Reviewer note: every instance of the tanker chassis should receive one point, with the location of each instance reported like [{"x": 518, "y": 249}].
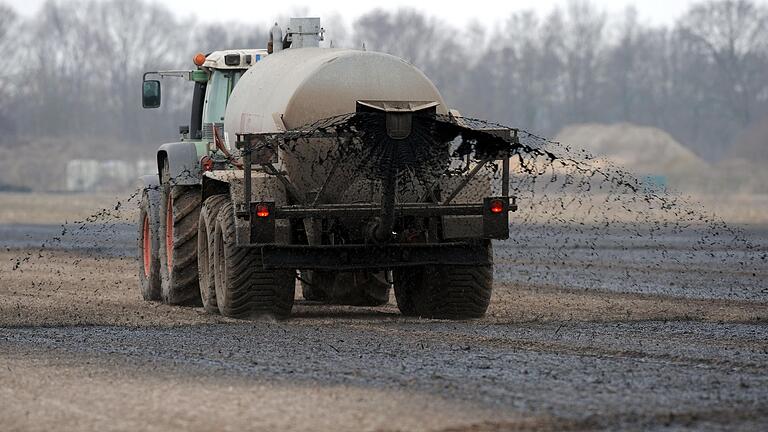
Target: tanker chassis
[{"x": 235, "y": 217}]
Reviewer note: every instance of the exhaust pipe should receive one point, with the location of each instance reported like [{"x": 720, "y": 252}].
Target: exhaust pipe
[{"x": 275, "y": 43}]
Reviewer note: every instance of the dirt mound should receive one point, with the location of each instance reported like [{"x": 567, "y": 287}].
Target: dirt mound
[
  {"x": 746, "y": 176},
  {"x": 752, "y": 143},
  {"x": 643, "y": 150}
]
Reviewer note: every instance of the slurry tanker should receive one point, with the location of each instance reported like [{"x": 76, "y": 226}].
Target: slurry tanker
[{"x": 341, "y": 171}]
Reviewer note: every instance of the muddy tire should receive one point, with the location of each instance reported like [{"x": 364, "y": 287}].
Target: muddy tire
[
  {"x": 243, "y": 288},
  {"x": 407, "y": 284},
  {"x": 444, "y": 292},
  {"x": 205, "y": 259},
  {"x": 148, "y": 225},
  {"x": 178, "y": 245}
]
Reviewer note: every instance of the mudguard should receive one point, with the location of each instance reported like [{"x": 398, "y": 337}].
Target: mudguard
[{"x": 183, "y": 163}]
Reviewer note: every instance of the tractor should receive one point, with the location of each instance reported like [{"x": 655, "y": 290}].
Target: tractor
[{"x": 320, "y": 167}]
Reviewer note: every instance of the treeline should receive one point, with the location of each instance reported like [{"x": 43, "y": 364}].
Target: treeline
[{"x": 74, "y": 69}]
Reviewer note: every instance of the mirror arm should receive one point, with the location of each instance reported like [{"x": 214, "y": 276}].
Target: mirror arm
[{"x": 172, "y": 73}]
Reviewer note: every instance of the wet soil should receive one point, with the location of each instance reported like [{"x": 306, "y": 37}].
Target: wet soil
[{"x": 79, "y": 350}]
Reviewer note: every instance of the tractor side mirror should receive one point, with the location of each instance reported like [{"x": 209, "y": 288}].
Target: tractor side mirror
[{"x": 150, "y": 94}]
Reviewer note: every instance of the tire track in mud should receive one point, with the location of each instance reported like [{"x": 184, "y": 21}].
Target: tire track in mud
[
  {"x": 526, "y": 366},
  {"x": 695, "y": 419},
  {"x": 463, "y": 362},
  {"x": 574, "y": 348}
]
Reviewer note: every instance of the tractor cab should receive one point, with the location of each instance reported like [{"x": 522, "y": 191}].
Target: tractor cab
[{"x": 216, "y": 75}]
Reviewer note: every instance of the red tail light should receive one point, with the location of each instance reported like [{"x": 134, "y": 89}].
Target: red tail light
[
  {"x": 496, "y": 206},
  {"x": 262, "y": 211}
]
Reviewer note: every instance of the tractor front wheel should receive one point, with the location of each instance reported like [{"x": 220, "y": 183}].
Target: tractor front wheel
[{"x": 148, "y": 224}]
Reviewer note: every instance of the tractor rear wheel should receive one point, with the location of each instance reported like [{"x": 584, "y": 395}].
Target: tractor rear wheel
[
  {"x": 178, "y": 245},
  {"x": 205, "y": 258},
  {"x": 444, "y": 292},
  {"x": 243, "y": 288},
  {"x": 148, "y": 241}
]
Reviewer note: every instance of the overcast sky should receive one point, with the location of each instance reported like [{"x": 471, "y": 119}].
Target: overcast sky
[{"x": 457, "y": 13}]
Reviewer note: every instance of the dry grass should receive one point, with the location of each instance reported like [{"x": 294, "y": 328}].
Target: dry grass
[{"x": 56, "y": 208}]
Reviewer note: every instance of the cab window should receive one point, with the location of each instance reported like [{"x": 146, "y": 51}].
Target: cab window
[{"x": 219, "y": 88}]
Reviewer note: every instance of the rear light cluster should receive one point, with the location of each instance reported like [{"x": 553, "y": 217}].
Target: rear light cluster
[
  {"x": 496, "y": 217},
  {"x": 496, "y": 206},
  {"x": 262, "y": 222},
  {"x": 262, "y": 210}
]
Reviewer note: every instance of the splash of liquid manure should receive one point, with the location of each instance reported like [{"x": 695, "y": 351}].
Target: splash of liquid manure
[
  {"x": 576, "y": 210},
  {"x": 583, "y": 223}
]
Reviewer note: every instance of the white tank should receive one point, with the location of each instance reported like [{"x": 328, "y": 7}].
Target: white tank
[
  {"x": 296, "y": 87},
  {"x": 308, "y": 84}
]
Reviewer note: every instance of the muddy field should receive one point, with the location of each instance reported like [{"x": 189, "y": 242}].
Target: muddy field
[{"x": 569, "y": 347}]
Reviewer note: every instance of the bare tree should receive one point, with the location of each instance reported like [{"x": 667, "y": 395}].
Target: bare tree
[
  {"x": 580, "y": 47},
  {"x": 521, "y": 69},
  {"x": 733, "y": 36},
  {"x": 75, "y": 69},
  {"x": 8, "y": 21},
  {"x": 217, "y": 36},
  {"x": 57, "y": 60},
  {"x": 623, "y": 62},
  {"x": 84, "y": 64},
  {"x": 337, "y": 34},
  {"x": 7, "y": 18},
  {"x": 424, "y": 41}
]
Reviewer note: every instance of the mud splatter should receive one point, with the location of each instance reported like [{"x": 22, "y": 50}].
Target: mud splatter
[{"x": 574, "y": 207}]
